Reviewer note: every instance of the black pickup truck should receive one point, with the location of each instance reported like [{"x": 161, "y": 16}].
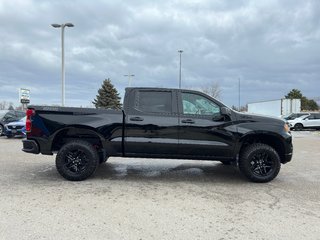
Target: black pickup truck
[{"x": 159, "y": 123}]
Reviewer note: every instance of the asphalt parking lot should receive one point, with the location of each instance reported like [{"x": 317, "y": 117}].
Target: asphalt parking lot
[{"x": 159, "y": 199}]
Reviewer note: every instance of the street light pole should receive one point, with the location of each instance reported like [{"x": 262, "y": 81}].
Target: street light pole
[
  {"x": 129, "y": 76},
  {"x": 62, "y": 26},
  {"x": 239, "y": 94},
  {"x": 180, "y": 52}
]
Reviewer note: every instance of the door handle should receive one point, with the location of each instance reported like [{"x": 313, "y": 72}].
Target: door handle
[
  {"x": 190, "y": 121},
  {"x": 137, "y": 119}
]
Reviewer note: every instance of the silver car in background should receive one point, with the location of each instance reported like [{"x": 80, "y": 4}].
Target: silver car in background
[{"x": 311, "y": 120}]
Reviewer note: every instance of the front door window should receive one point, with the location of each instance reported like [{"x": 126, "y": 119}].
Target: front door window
[{"x": 198, "y": 105}]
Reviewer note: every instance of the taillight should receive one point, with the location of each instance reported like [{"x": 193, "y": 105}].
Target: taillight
[{"x": 30, "y": 112}]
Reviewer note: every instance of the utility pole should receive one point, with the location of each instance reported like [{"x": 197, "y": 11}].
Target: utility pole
[
  {"x": 129, "y": 77},
  {"x": 180, "y": 52},
  {"x": 239, "y": 94}
]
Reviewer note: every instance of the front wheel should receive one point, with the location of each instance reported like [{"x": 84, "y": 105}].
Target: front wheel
[
  {"x": 260, "y": 163},
  {"x": 77, "y": 160}
]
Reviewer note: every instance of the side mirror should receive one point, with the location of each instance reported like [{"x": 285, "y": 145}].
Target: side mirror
[{"x": 225, "y": 111}]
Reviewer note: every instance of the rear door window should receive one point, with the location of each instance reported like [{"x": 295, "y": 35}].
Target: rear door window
[{"x": 154, "y": 102}]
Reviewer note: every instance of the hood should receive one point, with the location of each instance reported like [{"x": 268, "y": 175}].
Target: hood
[
  {"x": 19, "y": 123},
  {"x": 260, "y": 118}
]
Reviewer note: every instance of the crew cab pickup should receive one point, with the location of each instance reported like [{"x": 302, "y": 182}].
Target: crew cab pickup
[{"x": 159, "y": 123}]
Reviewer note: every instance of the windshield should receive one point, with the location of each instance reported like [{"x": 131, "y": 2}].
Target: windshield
[
  {"x": 2, "y": 113},
  {"x": 287, "y": 116}
]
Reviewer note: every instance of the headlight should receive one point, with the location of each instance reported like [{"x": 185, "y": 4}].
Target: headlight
[{"x": 286, "y": 128}]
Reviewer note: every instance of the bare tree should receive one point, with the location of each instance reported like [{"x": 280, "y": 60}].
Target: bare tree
[
  {"x": 242, "y": 108},
  {"x": 5, "y": 105},
  {"x": 213, "y": 90}
]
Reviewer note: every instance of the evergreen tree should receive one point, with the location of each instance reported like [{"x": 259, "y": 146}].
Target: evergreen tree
[
  {"x": 306, "y": 104},
  {"x": 108, "y": 96},
  {"x": 294, "y": 94}
]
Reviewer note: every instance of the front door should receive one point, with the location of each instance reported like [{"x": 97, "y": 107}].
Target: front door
[{"x": 203, "y": 131}]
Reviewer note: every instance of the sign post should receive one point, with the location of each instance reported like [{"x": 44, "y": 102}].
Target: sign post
[{"x": 24, "y": 96}]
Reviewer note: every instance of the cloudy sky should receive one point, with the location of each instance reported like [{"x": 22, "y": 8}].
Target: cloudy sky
[{"x": 272, "y": 46}]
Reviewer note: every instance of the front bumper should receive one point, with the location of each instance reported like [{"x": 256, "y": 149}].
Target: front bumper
[
  {"x": 287, "y": 158},
  {"x": 30, "y": 146},
  {"x": 14, "y": 133},
  {"x": 288, "y": 150}
]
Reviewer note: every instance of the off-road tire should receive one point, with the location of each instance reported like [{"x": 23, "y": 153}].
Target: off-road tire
[
  {"x": 259, "y": 163},
  {"x": 77, "y": 160}
]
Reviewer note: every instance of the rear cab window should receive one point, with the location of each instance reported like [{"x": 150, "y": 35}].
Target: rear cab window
[{"x": 154, "y": 102}]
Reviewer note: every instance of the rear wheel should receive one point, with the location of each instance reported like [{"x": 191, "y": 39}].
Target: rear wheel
[
  {"x": 77, "y": 160},
  {"x": 298, "y": 127},
  {"x": 260, "y": 163}
]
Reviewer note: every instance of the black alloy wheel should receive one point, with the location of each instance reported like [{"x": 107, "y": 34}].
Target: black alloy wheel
[
  {"x": 77, "y": 160},
  {"x": 260, "y": 163}
]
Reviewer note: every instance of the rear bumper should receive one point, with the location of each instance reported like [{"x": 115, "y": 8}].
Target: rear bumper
[{"x": 30, "y": 146}]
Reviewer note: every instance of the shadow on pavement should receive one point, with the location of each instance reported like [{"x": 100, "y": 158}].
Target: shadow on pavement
[{"x": 169, "y": 171}]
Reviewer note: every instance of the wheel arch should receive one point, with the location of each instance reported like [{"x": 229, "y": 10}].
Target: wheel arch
[
  {"x": 77, "y": 132},
  {"x": 268, "y": 138},
  {"x": 298, "y": 123}
]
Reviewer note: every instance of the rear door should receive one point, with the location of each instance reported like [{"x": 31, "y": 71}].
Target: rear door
[
  {"x": 312, "y": 121},
  {"x": 203, "y": 131},
  {"x": 151, "y": 123}
]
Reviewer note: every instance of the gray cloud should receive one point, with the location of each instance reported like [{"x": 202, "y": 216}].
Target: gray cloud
[{"x": 272, "y": 46}]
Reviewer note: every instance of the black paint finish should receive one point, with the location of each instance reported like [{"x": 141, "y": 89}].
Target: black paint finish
[{"x": 160, "y": 130}]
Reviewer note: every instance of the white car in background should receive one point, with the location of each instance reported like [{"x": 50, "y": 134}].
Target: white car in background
[
  {"x": 307, "y": 121},
  {"x": 292, "y": 116}
]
